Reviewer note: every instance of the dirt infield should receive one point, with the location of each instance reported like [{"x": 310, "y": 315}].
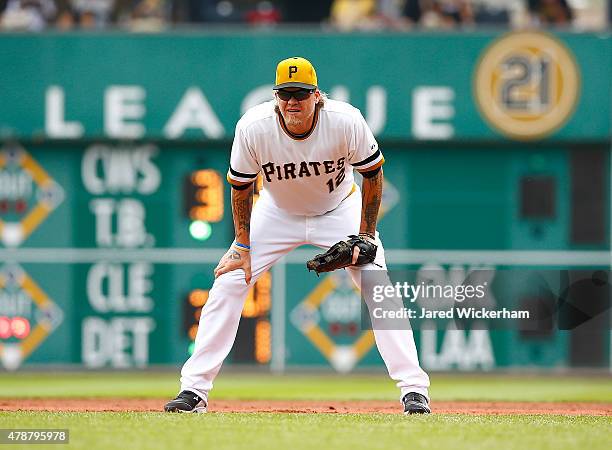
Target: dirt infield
[{"x": 306, "y": 406}]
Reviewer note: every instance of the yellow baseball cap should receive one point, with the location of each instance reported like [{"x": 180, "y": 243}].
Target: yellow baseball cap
[{"x": 295, "y": 72}]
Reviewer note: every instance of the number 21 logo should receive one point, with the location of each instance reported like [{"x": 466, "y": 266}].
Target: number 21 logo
[{"x": 526, "y": 85}]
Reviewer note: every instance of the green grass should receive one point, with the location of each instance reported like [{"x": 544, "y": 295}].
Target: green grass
[
  {"x": 323, "y": 431},
  {"x": 314, "y": 387},
  {"x": 219, "y": 431}
]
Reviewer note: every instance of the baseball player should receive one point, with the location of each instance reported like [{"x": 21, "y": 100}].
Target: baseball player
[{"x": 306, "y": 147}]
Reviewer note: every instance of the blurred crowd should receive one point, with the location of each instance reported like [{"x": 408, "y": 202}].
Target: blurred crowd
[{"x": 343, "y": 15}]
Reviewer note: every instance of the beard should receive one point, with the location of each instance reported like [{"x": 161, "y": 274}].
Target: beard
[
  {"x": 292, "y": 121},
  {"x": 298, "y": 122}
]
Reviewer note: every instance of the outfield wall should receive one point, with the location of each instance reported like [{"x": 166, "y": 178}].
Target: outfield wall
[{"x": 102, "y": 133}]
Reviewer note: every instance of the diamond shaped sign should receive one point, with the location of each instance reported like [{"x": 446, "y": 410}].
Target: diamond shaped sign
[
  {"x": 27, "y": 195},
  {"x": 27, "y": 316},
  {"x": 329, "y": 318}
]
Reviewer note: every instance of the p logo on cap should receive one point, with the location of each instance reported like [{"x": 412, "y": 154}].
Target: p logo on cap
[{"x": 295, "y": 72}]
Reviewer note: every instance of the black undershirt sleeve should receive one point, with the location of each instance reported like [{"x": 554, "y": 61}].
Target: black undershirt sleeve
[
  {"x": 241, "y": 187},
  {"x": 371, "y": 173}
]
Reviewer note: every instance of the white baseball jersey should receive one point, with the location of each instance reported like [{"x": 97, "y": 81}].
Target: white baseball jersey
[
  {"x": 307, "y": 175},
  {"x": 306, "y": 179}
]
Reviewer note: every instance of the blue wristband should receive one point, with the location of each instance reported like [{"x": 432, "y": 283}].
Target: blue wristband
[{"x": 242, "y": 245}]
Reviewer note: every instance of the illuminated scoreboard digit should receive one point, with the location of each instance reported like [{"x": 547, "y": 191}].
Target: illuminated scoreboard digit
[{"x": 203, "y": 196}]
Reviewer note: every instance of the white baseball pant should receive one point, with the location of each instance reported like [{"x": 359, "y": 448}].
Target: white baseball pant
[{"x": 273, "y": 234}]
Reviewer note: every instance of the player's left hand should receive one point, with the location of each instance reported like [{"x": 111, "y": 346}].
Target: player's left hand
[
  {"x": 356, "y": 249},
  {"x": 342, "y": 254}
]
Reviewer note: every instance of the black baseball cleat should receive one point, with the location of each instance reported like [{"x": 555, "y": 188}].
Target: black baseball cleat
[
  {"x": 186, "y": 402},
  {"x": 415, "y": 403}
]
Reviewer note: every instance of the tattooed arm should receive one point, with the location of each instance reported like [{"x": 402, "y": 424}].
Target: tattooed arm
[
  {"x": 237, "y": 257},
  {"x": 242, "y": 205},
  {"x": 371, "y": 196},
  {"x": 370, "y": 202}
]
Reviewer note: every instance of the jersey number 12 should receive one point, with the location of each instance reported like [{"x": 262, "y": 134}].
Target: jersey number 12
[{"x": 339, "y": 179}]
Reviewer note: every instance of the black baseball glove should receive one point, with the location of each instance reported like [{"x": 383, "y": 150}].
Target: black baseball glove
[{"x": 340, "y": 255}]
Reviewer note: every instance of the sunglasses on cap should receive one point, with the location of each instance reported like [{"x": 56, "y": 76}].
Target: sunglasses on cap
[{"x": 299, "y": 95}]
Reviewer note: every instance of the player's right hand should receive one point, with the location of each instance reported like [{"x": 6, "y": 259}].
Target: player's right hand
[{"x": 235, "y": 259}]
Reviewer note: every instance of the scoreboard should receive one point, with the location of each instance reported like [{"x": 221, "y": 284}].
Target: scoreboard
[{"x": 105, "y": 264}]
